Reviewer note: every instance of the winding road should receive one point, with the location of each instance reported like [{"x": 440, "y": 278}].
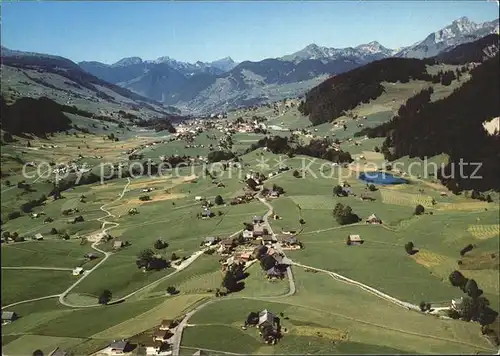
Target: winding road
[{"x": 177, "y": 337}]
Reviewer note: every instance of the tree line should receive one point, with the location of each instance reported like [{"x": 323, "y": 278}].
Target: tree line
[{"x": 452, "y": 125}]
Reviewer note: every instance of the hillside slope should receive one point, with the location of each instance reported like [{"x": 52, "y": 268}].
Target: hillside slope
[
  {"x": 330, "y": 99},
  {"x": 453, "y": 125},
  {"x": 37, "y": 75}
]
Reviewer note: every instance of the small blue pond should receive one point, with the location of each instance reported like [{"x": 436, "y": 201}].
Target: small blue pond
[{"x": 381, "y": 178}]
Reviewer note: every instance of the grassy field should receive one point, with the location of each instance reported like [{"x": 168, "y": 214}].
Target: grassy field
[
  {"x": 324, "y": 316},
  {"x": 18, "y": 285}
]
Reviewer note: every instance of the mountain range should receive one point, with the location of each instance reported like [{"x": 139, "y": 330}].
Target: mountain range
[{"x": 221, "y": 85}]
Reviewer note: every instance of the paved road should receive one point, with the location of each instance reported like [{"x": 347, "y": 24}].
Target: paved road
[
  {"x": 364, "y": 287},
  {"x": 177, "y": 338},
  {"x": 94, "y": 246},
  {"x": 277, "y": 246}
]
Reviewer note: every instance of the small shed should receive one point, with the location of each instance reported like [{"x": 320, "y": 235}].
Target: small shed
[
  {"x": 273, "y": 272},
  {"x": 207, "y": 213},
  {"x": 258, "y": 231},
  {"x": 58, "y": 352},
  {"x": 247, "y": 234},
  {"x": 373, "y": 219},
  {"x": 257, "y": 219},
  {"x": 77, "y": 271},
  {"x": 456, "y": 304},
  {"x": 166, "y": 324},
  {"x": 120, "y": 347},
  {"x": 200, "y": 353},
  {"x": 161, "y": 335},
  {"x": 118, "y": 244},
  {"x": 354, "y": 240},
  {"x": 209, "y": 241},
  {"x": 38, "y": 237},
  {"x": 9, "y": 317}
]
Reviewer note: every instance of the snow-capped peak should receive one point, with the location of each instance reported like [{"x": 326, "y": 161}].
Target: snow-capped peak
[
  {"x": 458, "y": 32},
  {"x": 128, "y": 61},
  {"x": 372, "y": 50}
]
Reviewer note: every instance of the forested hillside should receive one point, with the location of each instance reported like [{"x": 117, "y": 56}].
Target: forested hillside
[
  {"x": 336, "y": 95},
  {"x": 453, "y": 125},
  {"x": 36, "y": 116},
  {"x": 344, "y": 92}
]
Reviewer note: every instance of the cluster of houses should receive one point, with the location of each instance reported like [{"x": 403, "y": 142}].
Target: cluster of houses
[
  {"x": 159, "y": 345},
  {"x": 255, "y": 244}
]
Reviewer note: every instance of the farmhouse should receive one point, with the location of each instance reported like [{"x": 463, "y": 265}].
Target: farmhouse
[
  {"x": 206, "y": 214},
  {"x": 267, "y": 240},
  {"x": 200, "y": 353},
  {"x": 161, "y": 335},
  {"x": 354, "y": 240},
  {"x": 257, "y": 219},
  {"x": 210, "y": 241},
  {"x": 247, "y": 234},
  {"x": 77, "y": 271},
  {"x": 288, "y": 241},
  {"x": 274, "y": 273},
  {"x": 118, "y": 244},
  {"x": 245, "y": 257},
  {"x": 258, "y": 231},
  {"x": 120, "y": 347},
  {"x": 456, "y": 304},
  {"x": 38, "y": 237},
  {"x": 274, "y": 194},
  {"x": 266, "y": 318},
  {"x": 90, "y": 256},
  {"x": 9, "y": 317},
  {"x": 227, "y": 245},
  {"x": 58, "y": 352},
  {"x": 157, "y": 348},
  {"x": 373, "y": 219}
]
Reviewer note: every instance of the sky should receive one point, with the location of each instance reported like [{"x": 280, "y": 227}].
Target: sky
[{"x": 107, "y": 31}]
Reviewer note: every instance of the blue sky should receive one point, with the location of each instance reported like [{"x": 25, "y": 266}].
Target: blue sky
[{"x": 206, "y": 31}]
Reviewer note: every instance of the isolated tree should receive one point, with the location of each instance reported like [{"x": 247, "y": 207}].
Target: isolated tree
[
  {"x": 472, "y": 289},
  {"x": 409, "y": 247},
  {"x": 37, "y": 353},
  {"x": 173, "y": 257},
  {"x": 105, "y": 297},
  {"x": 422, "y": 306},
  {"x": 218, "y": 200},
  {"x": 159, "y": 244},
  {"x": 144, "y": 258},
  {"x": 419, "y": 209},
  {"x": 372, "y": 187},
  {"x": 7, "y": 137},
  {"x": 337, "y": 190},
  {"x": 457, "y": 279},
  {"x": 302, "y": 222},
  {"x": 7, "y": 183},
  {"x": 296, "y": 174},
  {"x": 229, "y": 281},
  {"x": 171, "y": 290},
  {"x": 53, "y": 231},
  {"x": 488, "y": 198}
]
